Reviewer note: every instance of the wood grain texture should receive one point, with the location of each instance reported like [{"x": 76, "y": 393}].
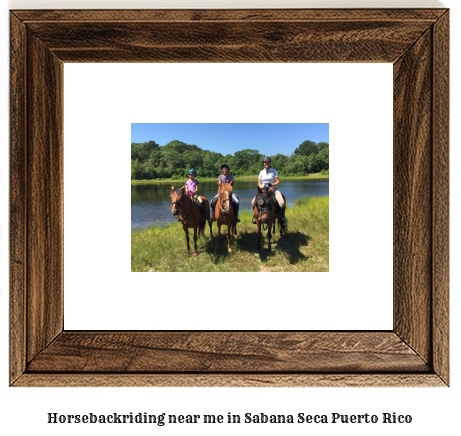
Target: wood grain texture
[
  {"x": 236, "y": 352},
  {"x": 45, "y": 200},
  {"x": 18, "y": 211},
  {"x": 441, "y": 213},
  {"x": 414, "y": 354},
  {"x": 413, "y": 196},
  {"x": 230, "y": 36},
  {"x": 359, "y": 41},
  {"x": 205, "y": 15},
  {"x": 229, "y": 380}
]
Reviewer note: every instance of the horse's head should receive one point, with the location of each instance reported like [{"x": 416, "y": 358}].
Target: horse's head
[
  {"x": 177, "y": 199},
  {"x": 225, "y": 196},
  {"x": 266, "y": 190},
  {"x": 264, "y": 203}
]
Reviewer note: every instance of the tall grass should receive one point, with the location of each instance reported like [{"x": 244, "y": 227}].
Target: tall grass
[{"x": 304, "y": 247}]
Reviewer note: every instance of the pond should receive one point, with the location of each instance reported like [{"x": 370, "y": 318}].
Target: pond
[{"x": 150, "y": 203}]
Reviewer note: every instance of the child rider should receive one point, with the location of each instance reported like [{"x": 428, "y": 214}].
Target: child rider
[{"x": 225, "y": 177}]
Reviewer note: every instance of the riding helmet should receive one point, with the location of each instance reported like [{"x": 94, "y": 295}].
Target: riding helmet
[
  {"x": 267, "y": 159},
  {"x": 224, "y": 166},
  {"x": 192, "y": 171}
]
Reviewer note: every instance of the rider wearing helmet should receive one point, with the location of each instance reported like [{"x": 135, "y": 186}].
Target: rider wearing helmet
[
  {"x": 225, "y": 177},
  {"x": 191, "y": 188},
  {"x": 269, "y": 176},
  {"x": 191, "y": 184}
]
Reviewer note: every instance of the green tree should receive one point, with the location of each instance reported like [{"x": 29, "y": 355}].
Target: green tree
[
  {"x": 279, "y": 162},
  {"x": 208, "y": 169},
  {"x": 143, "y": 150},
  {"x": 194, "y": 159},
  {"x": 150, "y": 160},
  {"x": 226, "y": 159},
  {"x": 297, "y": 166},
  {"x": 324, "y": 156},
  {"x": 246, "y": 159},
  {"x": 172, "y": 158},
  {"x": 314, "y": 163},
  {"x": 307, "y": 148},
  {"x": 136, "y": 170}
]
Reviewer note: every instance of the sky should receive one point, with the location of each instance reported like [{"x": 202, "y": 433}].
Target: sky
[{"x": 268, "y": 139}]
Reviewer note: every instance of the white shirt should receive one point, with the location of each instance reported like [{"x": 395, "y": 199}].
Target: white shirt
[{"x": 268, "y": 177}]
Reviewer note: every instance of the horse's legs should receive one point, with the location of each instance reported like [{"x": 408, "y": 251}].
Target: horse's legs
[
  {"x": 258, "y": 223},
  {"x": 269, "y": 234},
  {"x": 229, "y": 233},
  {"x": 218, "y": 233},
  {"x": 209, "y": 220},
  {"x": 186, "y": 231},
  {"x": 210, "y": 224},
  {"x": 195, "y": 241}
]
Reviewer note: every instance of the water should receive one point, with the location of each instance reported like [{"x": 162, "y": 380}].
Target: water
[{"x": 150, "y": 204}]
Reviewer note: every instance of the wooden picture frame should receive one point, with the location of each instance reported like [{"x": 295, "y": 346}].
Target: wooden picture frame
[{"x": 414, "y": 353}]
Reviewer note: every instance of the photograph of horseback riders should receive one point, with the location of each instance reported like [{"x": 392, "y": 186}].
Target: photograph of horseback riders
[{"x": 233, "y": 197}]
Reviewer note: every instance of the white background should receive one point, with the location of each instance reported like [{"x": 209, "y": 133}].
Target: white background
[
  {"x": 356, "y": 101},
  {"x": 433, "y": 410}
]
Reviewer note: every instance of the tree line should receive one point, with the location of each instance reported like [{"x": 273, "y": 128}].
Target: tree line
[{"x": 150, "y": 160}]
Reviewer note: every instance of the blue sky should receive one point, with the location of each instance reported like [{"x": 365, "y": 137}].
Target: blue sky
[{"x": 268, "y": 139}]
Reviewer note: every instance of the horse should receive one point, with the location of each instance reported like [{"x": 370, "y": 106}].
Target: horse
[
  {"x": 224, "y": 213},
  {"x": 189, "y": 214},
  {"x": 266, "y": 212}
]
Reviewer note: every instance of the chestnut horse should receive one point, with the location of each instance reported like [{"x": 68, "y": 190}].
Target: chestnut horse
[
  {"x": 224, "y": 213},
  {"x": 183, "y": 206},
  {"x": 266, "y": 213}
]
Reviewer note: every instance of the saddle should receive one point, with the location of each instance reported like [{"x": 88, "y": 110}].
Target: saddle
[
  {"x": 214, "y": 201},
  {"x": 200, "y": 205},
  {"x": 265, "y": 201},
  {"x": 197, "y": 200},
  {"x": 260, "y": 200}
]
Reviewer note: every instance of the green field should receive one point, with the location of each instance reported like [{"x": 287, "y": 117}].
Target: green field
[{"x": 304, "y": 247}]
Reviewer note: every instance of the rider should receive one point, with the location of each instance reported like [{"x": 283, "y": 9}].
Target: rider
[
  {"x": 269, "y": 176},
  {"x": 191, "y": 187},
  {"x": 225, "y": 177},
  {"x": 191, "y": 184}
]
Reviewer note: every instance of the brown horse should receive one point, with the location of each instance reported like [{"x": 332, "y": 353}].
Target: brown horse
[
  {"x": 183, "y": 206},
  {"x": 224, "y": 213},
  {"x": 266, "y": 212}
]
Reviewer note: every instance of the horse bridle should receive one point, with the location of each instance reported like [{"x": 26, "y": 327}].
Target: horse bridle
[
  {"x": 266, "y": 208},
  {"x": 180, "y": 203},
  {"x": 223, "y": 201}
]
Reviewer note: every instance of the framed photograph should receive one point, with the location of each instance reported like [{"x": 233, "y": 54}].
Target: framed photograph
[
  {"x": 414, "y": 353},
  {"x": 225, "y": 213}
]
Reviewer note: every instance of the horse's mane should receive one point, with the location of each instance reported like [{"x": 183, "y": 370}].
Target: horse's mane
[
  {"x": 226, "y": 186},
  {"x": 178, "y": 191}
]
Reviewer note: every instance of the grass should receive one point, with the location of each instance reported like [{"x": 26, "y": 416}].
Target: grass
[
  {"x": 214, "y": 179},
  {"x": 305, "y": 247}
]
